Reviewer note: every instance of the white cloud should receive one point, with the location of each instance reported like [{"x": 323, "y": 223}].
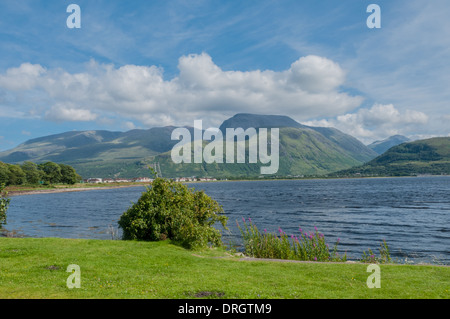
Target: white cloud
[
  {"x": 61, "y": 113},
  {"x": 25, "y": 77},
  {"x": 316, "y": 74},
  {"x": 202, "y": 90},
  {"x": 129, "y": 125},
  {"x": 378, "y": 122},
  {"x": 309, "y": 89},
  {"x": 10, "y": 112}
]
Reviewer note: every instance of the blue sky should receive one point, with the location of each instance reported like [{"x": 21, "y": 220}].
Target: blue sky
[{"x": 140, "y": 64}]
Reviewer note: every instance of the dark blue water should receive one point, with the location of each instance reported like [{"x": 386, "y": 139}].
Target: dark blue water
[{"x": 411, "y": 214}]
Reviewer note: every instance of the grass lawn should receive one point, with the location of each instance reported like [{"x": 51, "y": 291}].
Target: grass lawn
[{"x": 36, "y": 268}]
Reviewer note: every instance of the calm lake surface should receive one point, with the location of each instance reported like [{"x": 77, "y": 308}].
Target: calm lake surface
[{"x": 412, "y": 214}]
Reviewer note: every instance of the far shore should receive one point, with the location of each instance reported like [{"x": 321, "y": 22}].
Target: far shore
[
  {"x": 19, "y": 192},
  {"x": 30, "y": 190}
]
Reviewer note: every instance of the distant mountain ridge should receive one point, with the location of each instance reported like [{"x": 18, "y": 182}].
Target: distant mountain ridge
[
  {"x": 429, "y": 156},
  {"x": 304, "y": 150},
  {"x": 382, "y": 146},
  {"x": 80, "y": 145}
]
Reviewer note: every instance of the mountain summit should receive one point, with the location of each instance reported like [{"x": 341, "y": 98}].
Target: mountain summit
[
  {"x": 245, "y": 120},
  {"x": 382, "y": 146}
]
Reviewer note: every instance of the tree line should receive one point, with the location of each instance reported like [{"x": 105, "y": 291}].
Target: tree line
[{"x": 30, "y": 173}]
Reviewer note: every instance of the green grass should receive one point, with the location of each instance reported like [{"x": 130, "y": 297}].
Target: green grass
[{"x": 36, "y": 268}]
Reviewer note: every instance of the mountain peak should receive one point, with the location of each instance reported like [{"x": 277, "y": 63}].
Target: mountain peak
[
  {"x": 246, "y": 120},
  {"x": 382, "y": 146}
]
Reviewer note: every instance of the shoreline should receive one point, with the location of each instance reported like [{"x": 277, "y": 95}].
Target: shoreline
[
  {"x": 37, "y": 191},
  {"x": 64, "y": 190}
]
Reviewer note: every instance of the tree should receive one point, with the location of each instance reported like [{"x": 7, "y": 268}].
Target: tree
[
  {"x": 52, "y": 172},
  {"x": 171, "y": 210},
  {"x": 4, "y": 203},
  {"x": 16, "y": 175},
  {"x": 68, "y": 174},
  {"x": 32, "y": 173},
  {"x": 4, "y": 173}
]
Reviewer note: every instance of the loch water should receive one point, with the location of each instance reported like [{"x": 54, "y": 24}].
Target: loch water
[{"x": 412, "y": 213}]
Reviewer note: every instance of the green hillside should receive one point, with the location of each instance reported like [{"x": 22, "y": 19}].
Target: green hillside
[
  {"x": 303, "y": 151},
  {"x": 430, "y": 156},
  {"x": 93, "y": 146}
]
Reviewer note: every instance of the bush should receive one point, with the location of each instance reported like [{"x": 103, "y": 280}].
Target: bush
[
  {"x": 385, "y": 255},
  {"x": 171, "y": 210},
  {"x": 306, "y": 246},
  {"x": 4, "y": 203}
]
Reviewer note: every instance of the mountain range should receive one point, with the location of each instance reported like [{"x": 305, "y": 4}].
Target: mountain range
[{"x": 303, "y": 150}]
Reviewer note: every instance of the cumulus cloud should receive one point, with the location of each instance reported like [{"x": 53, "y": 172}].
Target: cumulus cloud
[
  {"x": 378, "y": 122},
  {"x": 316, "y": 74},
  {"x": 202, "y": 90},
  {"x": 25, "y": 77},
  {"x": 61, "y": 113}
]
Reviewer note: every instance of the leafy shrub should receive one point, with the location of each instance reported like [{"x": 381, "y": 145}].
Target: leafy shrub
[
  {"x": 385, "y": 255},
  {"x": 4, "y": 203},
  {"x": 306, "y": 246},
  {"x": 171, "y": 210}
]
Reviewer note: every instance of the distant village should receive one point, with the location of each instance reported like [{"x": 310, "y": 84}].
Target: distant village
[{"x": 145, "y": 180}]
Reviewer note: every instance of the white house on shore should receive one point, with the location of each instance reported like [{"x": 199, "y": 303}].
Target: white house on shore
[
  {"x": 94, "y": 180},
  {"x": 118, "y": 180},
  {"x": 142, "y": 180}
]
